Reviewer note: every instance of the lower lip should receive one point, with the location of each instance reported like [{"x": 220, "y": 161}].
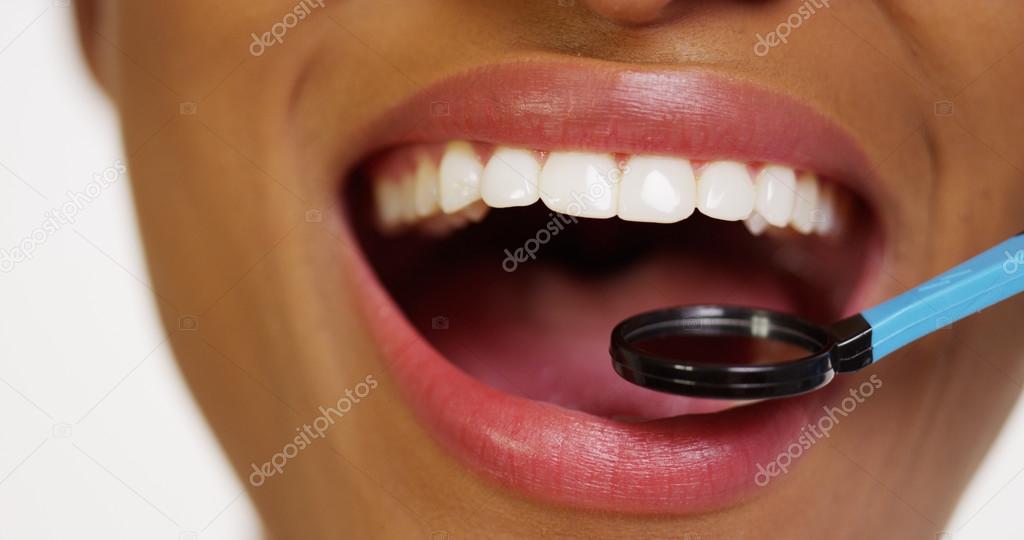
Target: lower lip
[{"x": 679, "y": 465}]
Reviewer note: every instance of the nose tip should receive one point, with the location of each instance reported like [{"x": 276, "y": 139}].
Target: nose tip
[{"x": 628, "y": 11}]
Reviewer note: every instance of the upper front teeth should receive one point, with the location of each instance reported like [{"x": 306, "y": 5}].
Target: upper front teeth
[
  {"x": 657, "y": 190},
  {"x": 653, "y": 189},
  {"x": 776, "y": 194},
  {"x": 510, "y": 178},
  {"x": 725, "y": 191},
  {"x": 580, "y": 184}
]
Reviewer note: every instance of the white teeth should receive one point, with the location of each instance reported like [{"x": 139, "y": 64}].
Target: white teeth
[
  {"x": 725, "y": 191},
  {"x": 440, "y": 225},
  {"x": 427, "y": 183},
  {"x": 805, "y": 208},
  {"x": 581, "y": 184},
  {"x": 407, "y": 191},
  {"x": 510, "y": 178},
  {"x": 825, "y": 217},
  {"x": 460, "y": 177},
  {"x": 475, "y": 212},
  {"x": 756, "y": 224},
  {"x": 644, "y": 188},
  {"x": 443, "y": 224},
  {"x": 776, "y": 194},
  {"x": 657, "y": 190},
  {"x": 387, "y": 196}
]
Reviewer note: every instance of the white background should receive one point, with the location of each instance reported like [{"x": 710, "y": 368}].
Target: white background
[{"x": 98, "y": 436}]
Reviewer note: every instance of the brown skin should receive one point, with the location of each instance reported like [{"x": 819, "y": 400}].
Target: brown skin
[{"x": 222, "y": 196}]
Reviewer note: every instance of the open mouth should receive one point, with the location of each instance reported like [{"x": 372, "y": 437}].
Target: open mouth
[
  {"x": 512, "y": 228},
  {"x": 515, "y": 263}
]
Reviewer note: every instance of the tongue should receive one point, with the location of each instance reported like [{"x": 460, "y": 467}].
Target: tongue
[{"x": 542, "y": 332}]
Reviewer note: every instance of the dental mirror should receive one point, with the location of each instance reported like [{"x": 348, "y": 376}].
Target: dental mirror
[{"x": 730, "y": 352}]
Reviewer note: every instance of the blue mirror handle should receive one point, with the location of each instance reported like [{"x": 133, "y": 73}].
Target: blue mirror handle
[{"x": 983, "y": 281}]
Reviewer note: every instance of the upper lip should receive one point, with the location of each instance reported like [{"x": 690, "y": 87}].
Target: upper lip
[
  {"x": 678, "y": 465},
  {"x": 696, "y": 114}
]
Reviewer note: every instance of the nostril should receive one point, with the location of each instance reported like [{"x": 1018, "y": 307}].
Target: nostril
[{"x": 628, "y": 11}]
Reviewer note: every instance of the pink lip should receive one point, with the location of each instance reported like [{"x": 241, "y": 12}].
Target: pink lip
[
  {"x": 695, "y": 114},
  {"x": 679, "y": 465}
]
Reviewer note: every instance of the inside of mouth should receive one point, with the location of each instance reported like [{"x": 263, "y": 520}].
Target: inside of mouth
[{"x": 525, "y": 300}]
